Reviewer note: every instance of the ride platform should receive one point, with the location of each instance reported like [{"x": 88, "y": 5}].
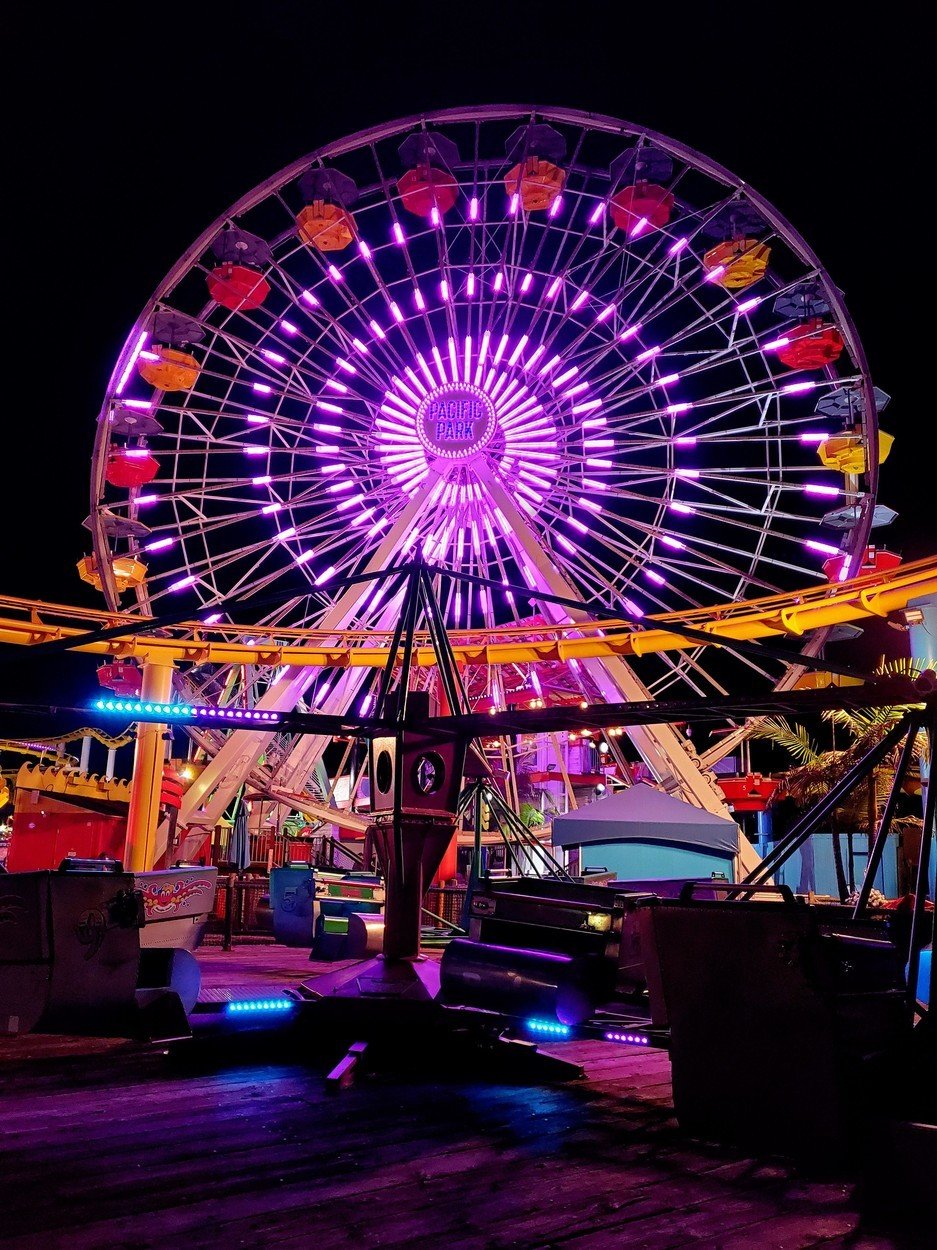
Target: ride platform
[{"x": 110, "y": 1143}]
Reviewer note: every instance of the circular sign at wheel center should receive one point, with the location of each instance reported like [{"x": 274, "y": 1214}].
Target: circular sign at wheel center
[{"x": 456, "y": 421}]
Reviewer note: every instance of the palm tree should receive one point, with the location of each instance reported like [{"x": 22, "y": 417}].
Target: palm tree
[{"x": 817, "y": 770}]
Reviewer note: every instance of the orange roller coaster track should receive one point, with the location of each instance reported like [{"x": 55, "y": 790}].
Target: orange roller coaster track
[{"x": 31, "y": 623}]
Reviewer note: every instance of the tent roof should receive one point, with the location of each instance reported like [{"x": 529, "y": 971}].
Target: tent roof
[{"x": 643, "y": 814}]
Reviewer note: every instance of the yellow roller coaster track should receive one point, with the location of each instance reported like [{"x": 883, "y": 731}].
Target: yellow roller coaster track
[{"x": 31, "y": 623}]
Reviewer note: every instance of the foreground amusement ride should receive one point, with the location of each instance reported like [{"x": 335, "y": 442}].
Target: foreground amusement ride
[{"x": 473, "y": 415}]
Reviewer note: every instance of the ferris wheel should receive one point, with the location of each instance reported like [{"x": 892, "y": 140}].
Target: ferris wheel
[{"x": 553, "y": 351}]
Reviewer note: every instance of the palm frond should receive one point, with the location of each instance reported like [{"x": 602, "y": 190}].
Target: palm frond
[{"x": 792, "y": 738}]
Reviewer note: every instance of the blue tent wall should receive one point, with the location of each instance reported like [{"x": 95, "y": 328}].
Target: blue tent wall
[{"x": 640, "y": 861}]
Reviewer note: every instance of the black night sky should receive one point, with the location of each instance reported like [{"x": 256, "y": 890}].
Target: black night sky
[{"x": 131, "y": 127}]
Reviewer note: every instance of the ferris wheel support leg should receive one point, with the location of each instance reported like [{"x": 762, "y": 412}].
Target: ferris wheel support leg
[
  {"x": 671, "y": 759},
  {"x": 140, "y": 851}
]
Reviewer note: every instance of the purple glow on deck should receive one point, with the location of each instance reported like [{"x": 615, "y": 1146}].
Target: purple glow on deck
[
  {"x": 825, "y": 549},
  {"x": 159, "y": 544},
  {"x": 310, "y": 299},
  {"x": 797, "y": 388},
  {"x": 261, "y": 388},
  {"x": 816, "y": 488},
  {"x": 134, "y": 355}
]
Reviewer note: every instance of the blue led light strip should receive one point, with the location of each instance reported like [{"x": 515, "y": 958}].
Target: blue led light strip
[
  {"x": 549, "y": 1028},
  {"x": 253, "y": 1005},
  {"x": 184, "y": 711}
]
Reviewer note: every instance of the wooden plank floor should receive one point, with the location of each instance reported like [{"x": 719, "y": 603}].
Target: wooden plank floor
[{"x": 106, "y": 1144}]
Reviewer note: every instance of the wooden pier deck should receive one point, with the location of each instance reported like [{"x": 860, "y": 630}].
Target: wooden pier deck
[{"x": 109, "y": 1144}]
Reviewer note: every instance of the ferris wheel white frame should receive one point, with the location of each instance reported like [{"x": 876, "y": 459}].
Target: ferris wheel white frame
[{"x": 564, "y": 303}]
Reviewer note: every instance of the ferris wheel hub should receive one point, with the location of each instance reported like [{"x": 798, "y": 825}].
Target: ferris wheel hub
[{"x": 456, "y": 421}]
